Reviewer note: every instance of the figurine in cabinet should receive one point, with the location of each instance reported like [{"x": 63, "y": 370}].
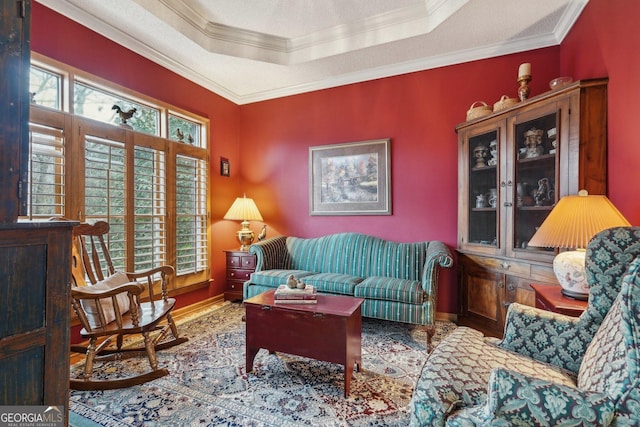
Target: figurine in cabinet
[
  {"x": 533, "y": 143},
  {"x": 480, "y": 153},
  {"x": 493, "y": 150},
  {"x": 543, "y": 195}
]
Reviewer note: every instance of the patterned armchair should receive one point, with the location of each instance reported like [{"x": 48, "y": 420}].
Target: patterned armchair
[
  {"x": 586, "y": 370},
  {"x": 562, "y": 340}
]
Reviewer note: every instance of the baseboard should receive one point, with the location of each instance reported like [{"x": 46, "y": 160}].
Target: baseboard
[{"x": 451, "y": 317}]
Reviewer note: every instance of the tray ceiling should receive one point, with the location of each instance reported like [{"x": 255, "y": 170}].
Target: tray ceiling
[{"x": 253, "y": 50}]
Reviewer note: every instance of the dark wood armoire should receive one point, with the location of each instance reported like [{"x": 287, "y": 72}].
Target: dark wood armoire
[{"x": 34, "y": 255}]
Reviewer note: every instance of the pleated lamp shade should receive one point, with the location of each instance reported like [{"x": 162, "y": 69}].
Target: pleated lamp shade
[
  {"x": 243, "y": 209},
  {"x": 575, "y": 220},
  {"x": 570, "y": 225}
]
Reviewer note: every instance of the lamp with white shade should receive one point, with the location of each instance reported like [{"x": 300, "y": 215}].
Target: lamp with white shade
[
  {"x": 244, "y": 209},
  {"x": 570, "y": 225}
]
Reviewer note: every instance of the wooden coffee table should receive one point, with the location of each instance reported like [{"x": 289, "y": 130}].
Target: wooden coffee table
[{"x": 329, "y": 330}]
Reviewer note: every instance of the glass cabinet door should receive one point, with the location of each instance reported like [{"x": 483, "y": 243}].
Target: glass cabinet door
[
  {"x": 536, "y": 152},
  {"x": 483, "y": 195}
]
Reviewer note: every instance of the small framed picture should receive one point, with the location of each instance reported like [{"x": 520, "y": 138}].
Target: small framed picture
[{"x": 224, "y": 167}]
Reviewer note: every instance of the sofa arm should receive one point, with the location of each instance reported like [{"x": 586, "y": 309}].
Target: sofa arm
[
  {"x": 270, "y": 254},
  {"x": 543, "y": 335},
  {"x": 514, "y": 398},
  {"x": 438, "y": 255}
]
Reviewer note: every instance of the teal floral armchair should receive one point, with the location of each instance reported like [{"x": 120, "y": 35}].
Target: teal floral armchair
[
  {"x": 562, "y": 340},
  {"x": 587, "y": 374}
]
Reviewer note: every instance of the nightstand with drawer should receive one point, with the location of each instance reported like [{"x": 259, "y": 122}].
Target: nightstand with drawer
[{"x": 240, "y": 265}]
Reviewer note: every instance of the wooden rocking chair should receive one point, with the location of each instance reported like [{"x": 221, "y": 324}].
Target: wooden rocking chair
[{"x": 116, "y": 305}]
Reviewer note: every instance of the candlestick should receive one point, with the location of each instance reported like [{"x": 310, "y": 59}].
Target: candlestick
[
  {"x": 524, "y": 70},
  {"x": 523, "y": 90}
]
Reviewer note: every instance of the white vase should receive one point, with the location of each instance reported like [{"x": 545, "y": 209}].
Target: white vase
[{"x": 569, "y": 269}]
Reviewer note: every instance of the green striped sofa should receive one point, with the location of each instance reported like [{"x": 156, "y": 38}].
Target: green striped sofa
[{"x": 398, "y": 281}]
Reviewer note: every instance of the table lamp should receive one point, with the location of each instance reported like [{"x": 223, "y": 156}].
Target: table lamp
[
  {"x": 570, "y": 225},
  {"x": 245, "y": 210}
]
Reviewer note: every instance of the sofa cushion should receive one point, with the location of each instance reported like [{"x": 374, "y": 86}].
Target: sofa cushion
[
  {"x": 390, "y": 289},
  {"x": 275, "y": 278},
  {"x": 357, "y": 255},
  {"x": 333, "y": 283}
]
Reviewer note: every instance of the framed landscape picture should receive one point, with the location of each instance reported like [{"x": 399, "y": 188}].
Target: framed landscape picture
[{"x": 350, "y": 179}]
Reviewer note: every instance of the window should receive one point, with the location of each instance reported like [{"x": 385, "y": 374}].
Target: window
[
  {"x": 184, "y": 130},
  {"x": 150, "y": 185},
  {"x": 191, "y": 212},
  {"x": 45, "y": 88},
  {"x": 46, "y": 171},
  {"x": 149, "y": 197},
  {"x": 108, "y": 107}
]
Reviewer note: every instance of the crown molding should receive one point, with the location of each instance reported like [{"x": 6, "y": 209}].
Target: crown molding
[
  {"x": 370, "y": 31},
  {"x": 568, "y": 18},
  {"x": 98, "y": 25},
  {"x": 452, "y": 58}
]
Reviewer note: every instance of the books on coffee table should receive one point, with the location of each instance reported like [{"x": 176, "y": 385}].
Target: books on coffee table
[
  {"x": 295, "y": 301},
  {"x": 286, "y": 295}
]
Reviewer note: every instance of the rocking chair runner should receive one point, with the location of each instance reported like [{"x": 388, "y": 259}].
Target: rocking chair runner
[{"x": 113, "y": 306}]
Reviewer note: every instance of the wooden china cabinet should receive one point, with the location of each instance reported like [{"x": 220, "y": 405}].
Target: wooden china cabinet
[{"x": 513, "y": 166}]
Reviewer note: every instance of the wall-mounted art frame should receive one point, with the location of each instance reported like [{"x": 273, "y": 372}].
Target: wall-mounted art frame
[
  {"x": 350, "y": 179},
  {"x": 225, "y": 169}
]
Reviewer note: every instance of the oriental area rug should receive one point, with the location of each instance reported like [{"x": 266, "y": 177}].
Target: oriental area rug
[{"x": 207, "y": 384}]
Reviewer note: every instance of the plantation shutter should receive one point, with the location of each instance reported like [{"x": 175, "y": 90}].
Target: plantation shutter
[{"x": 191, "y": 215}]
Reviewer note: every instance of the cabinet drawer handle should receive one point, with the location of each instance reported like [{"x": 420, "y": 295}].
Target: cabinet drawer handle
[
  {"x": 232, "y": 274},
  {"x": 511, "y": 287},
  {"x": 266, "y": 307},
  {"x": 505, "y": 265},
  {"x": 500, "y": 285},
  {"x": 508, "y": 204},
  {"x": 509, "y": 183},
  {"x": 502, "y": 184},
  {"x": 318, "y": 314}
]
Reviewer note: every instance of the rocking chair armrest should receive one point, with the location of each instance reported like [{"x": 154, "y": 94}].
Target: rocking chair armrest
[
  {"x": 164, "y": 269},
  {"x": 89, "y": 292}
]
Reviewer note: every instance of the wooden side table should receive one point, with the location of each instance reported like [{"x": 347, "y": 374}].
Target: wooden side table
[
  {"x": 240, "y": 265},
  {"x": 550, "y": 298}
]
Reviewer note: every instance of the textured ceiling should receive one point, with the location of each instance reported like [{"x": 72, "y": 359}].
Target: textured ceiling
[{"x": 252, "y": 50}]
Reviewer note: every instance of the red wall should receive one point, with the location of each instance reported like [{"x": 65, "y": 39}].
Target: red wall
[
  {"x": 605, "y": 42},
  {"x": 267, "y": 142},
  {"x": 417, "y": 111}
]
